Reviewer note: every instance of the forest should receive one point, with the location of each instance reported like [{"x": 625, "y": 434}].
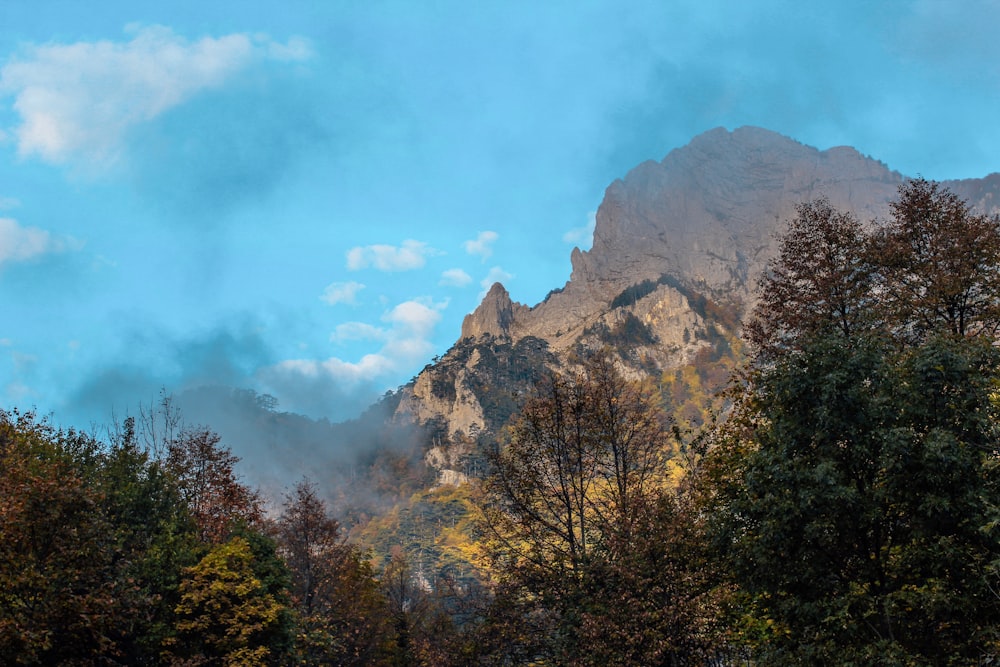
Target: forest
[{"x": 840, "y": 505}]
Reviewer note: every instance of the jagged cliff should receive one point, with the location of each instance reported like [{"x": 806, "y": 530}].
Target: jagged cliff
[{"x": 678, "y": 247}]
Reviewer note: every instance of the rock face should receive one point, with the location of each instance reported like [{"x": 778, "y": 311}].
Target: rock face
[
  {"x": 494, "y": 316},
  {"x": 709, "y": 214},
  {"x": 678, "y": 247}
]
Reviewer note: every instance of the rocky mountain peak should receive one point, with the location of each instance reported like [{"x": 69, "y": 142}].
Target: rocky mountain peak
[
  {"x": 678, "y": 247},
  {"x": 708, "y": 216},
  {"x": 494, "y": 316},
  {"x": 709, "y": 211}
]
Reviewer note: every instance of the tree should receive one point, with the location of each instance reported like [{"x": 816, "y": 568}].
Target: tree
[
  {"x": 60, "y": 601},
  {"x": 153, "y": 537},
  {"x": 940, "y": 264},
  {"x": 932, "y": 267},
  {"x": 232, "y": 609},
  {"x": 577, "y": 459},
  {"x": 821, "y": 282},
  {"x": 99, "y": 553},
  {"x": 577, "y": 494},
  {"x": 341, "y": 610},
  {"x": 206, "y": 474},
  {"x": 420, "y": 631},
  {"x": 660, "y": 602},
  {"x": 853, "y": 498},
  {"x": 854, "y": 484},
  {"x": 92, "y": 538},
  {"x": 407, "y": 604}
]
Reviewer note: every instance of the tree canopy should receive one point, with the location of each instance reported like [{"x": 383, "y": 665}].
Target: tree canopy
[
  {"x": 853, "y": 490},
  {"x": 593, "y": 552}
]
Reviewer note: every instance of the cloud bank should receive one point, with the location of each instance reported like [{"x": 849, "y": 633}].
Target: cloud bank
[
  {"x": 81, "y": 99},
  {"x": 322, "y": 387}
]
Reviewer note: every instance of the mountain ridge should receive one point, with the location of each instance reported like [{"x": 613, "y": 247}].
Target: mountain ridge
[{"x": 678, "y": 247}]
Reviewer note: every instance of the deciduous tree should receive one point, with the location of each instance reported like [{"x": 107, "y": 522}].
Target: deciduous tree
[
  {"x": 231, "y": 611},
  {"x": 821, "y": 282},
  {"x": 206, "y": 474},
  {"x": 855, "y": 502},
  {"x": 342, "y": 614},
  {"x": 70, "y": 553},
  {"x": 940, "y": 264},
  {"x": 857, "y": 476},
  {"x": 578, "y": 496}
]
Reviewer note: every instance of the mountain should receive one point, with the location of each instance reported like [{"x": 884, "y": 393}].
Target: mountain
[{"x": 678, "y": 247}]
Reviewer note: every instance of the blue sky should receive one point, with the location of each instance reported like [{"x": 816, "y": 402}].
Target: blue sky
[{"x": 305, "y": 198}]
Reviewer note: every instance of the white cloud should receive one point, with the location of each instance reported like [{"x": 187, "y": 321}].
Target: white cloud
[
  {"x": 81, "y": 99},
  {"x": 8, "y": 203},
  {"x": 495, "y": 275},
  {"x": 455, "y": 278},
  {"x": 414, "y": 318},
  {"x": 406, "y": 341},
  {"x": 19, "y": 244},
  {"x": 342, "y": 372},
  {"x": 341, "y": 292},
  {"x": 583, "y": 236},
  {"x": 411, "y": 255},
  {"x": 356, "y": 331},
  {"x": 482, "y": 245}
]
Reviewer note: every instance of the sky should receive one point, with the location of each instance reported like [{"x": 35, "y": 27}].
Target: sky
[{"x": 305, "y": 198}]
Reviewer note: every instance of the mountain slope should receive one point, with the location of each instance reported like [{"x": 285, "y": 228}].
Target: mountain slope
[{"x": 678, "y": 247}]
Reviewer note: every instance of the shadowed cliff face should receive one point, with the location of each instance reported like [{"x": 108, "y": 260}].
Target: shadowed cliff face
[{"x": 678, "y": 247}]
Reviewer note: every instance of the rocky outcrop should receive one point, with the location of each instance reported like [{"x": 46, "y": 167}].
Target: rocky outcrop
[
  {"x": 436, "y": 394},
  {"x": 495, "y": 316}
]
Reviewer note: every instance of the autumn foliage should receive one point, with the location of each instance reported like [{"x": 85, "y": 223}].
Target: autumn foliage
[{"x": 837, "y": 504}]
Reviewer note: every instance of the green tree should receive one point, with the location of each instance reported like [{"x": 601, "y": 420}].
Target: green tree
[
  {"x": 854, "y": 488},
  {"x": 153, "y": 537},
  {"x": 854, "y": 513}
]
